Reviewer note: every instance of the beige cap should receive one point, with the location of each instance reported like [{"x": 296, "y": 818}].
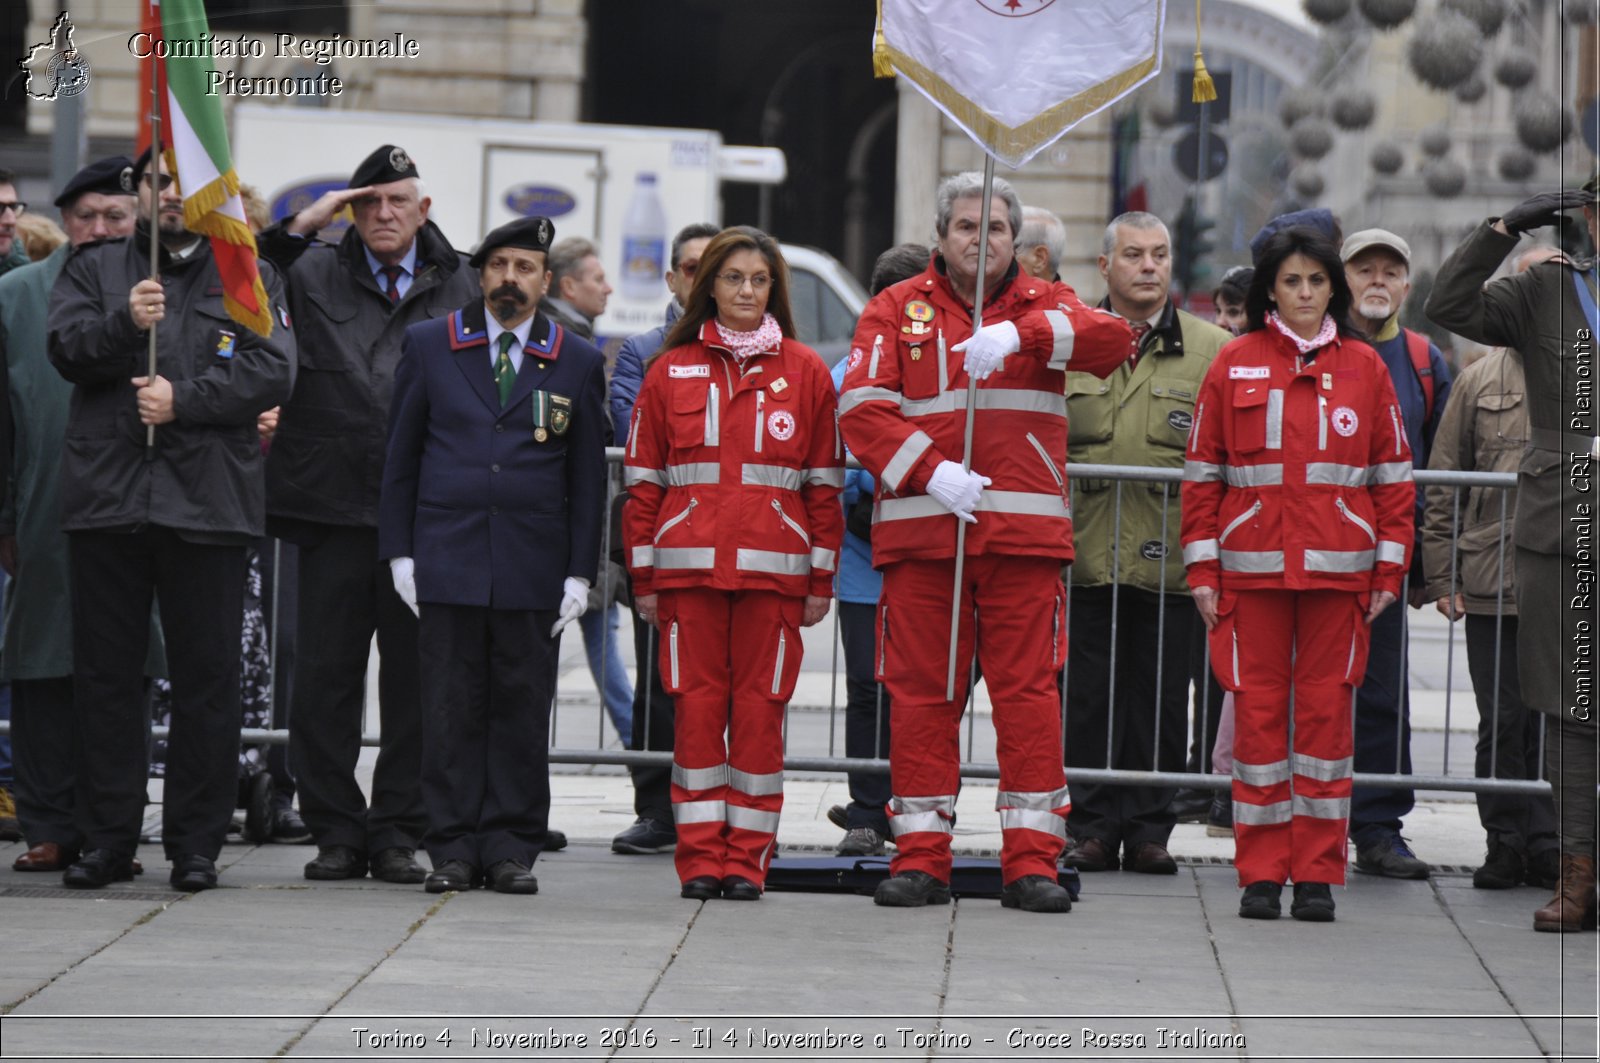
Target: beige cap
[{"x": 1356, "y": 243}]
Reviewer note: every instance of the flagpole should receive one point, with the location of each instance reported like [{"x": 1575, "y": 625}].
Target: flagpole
[
  {"x": 966, "y": 442},
  {"x": 153, "y": 174}
]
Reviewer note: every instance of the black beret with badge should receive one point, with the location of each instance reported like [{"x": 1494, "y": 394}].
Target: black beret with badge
[
  {"x": 529, "y": 234},
  {"x": 130, "y": 176},
  {"x": 104, "y": 176},
  {"x": 384, "y": 165}
]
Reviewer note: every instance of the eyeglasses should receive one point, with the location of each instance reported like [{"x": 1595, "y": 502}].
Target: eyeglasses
[
  {"x": 687, "y": 269},
  {"x": 18, "y": 208},
  {"x": 162, "y": 181},
  {"x": 736, "y": 280}
]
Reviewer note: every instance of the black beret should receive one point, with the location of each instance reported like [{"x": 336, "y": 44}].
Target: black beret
[
  {"x": 530, "y": 234},
  {"x": 103, "y": 176},
  {"x": 387, "y": 164},
  {"x": 130, "y": 183}
]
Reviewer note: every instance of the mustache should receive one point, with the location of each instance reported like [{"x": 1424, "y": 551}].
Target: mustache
[{"x": 510, "y": 293}]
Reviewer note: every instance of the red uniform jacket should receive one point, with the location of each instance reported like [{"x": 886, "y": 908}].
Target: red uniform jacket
[
  {"x": 734, "y": 477},
  {"x": 903, "y": 411}
]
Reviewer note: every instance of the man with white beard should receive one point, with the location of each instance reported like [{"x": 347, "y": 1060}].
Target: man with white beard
[{"x": 1377, "y": 265}]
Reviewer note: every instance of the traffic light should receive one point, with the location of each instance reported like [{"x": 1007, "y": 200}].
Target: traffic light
[{"x": 1189, "y": 269}]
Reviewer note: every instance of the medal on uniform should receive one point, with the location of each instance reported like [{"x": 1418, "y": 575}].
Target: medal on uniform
[
  {"x": 541, "y": 416},
  {"x": 225, "y": 344},
  {"x": 920, "y": 314},
  {"x": 1327, "y": 381}
]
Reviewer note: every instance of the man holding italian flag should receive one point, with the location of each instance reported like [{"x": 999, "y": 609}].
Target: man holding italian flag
[{"x": 161, "y": 482}]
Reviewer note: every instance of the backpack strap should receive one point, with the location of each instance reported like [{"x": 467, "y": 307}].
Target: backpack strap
[{"x": 1417, "y": 348}]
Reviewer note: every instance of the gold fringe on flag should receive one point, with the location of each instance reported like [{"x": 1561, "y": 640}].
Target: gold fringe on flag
[
  {"x": 881, "y": 67},
  {"x": 1205, "y": 90}
]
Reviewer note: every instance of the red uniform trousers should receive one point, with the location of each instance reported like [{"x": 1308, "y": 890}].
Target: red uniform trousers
[
  {"x": 1013, "y": 608},
  {"x": 730, "y": 660},
  {"x": 1291, "y": 802}
]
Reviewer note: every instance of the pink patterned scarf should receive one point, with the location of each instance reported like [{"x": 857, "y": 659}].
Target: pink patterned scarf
[
  {"x": 766, "y": 337},
  {"x": 1323, "y": 337}
]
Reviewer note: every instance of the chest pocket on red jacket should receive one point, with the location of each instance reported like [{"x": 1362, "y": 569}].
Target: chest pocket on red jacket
[
  {"x": 1248, "y": 417},
  {"x": 780, "y": 435},
  {"x": 694, "y": 415},
  {"x": 919, "y": 367}
]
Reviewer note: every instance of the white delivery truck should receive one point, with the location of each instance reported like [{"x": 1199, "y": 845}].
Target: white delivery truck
[{"x": 627, "y": 188}]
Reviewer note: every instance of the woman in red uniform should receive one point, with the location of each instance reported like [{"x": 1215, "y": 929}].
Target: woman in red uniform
[
  {"x": 1297, "y": 515},
  {"x": 732, "y": 527}
]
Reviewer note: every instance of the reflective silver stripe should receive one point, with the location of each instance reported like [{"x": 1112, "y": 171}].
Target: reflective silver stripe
[
  {"x": 672, "y": 653},
  {"x": 773, "y": 561},
  {"x": 674, "y": 521},
  {"x": 644, "y": 557},
  {"x": 1048, "y": 800},
  {"x": 829, "y": 477},
  {"x": 694, "y": 472},
  {"x": 944, "y": 363},
  {"x": 756, "y": 785},
  {"x": 1020, "y": 502},
  {"x": 1390, "y": 472},
  {"x": 634, "y": 475},
  {"x": 1334, "y": 474},
  {"x": 877, "y": 349},
  {"x": 1061, "y": 331},
  {"x": 905, "y": 459},
  {"x": 1338, "y": 560},
  {"x": 633, "y": 434},
  {"x": 1201, "y": 472},
  {"x": 900, "y": 806},
  {"x": 1321, "y": 807},
  {"x": 1250, "y": 815},
  {"x": 777, "y": 667},
  {"x": 686, "y": 557},
  {"x": 1252, "y": 560},
  {"x": 913, "y": 822},
  {"x": 699, "y": 812},
  {"x": 1200, "y": 550},
  {"x": 713, "y": 436},
  {"x": 1006, "y": 400},
  {"x": 780, "y": 476},
  {"x": 1252, "y": 475},
  {"x": 1320, "y": 769},
  {"x": 1261, "y": 774},
  {"x": 1399, "y": 434},
  {"x": 1242, "y": 518},
  {"x": 856, "y": 396},
  {"x": 1275, "y": 419},
  {"x": 1033, "y": 819},
  {"x": 1392, "y": 552},
  {"x": 752, "y": 819},
  {"x": 824, "y": 559},
  {"x": 699, "y": 778}
]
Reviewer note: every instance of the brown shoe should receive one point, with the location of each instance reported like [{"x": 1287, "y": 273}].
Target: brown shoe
[
  {"x": 1152, "y": 858},
  {"x": 1572, "y": 908},
  {"x": 46, "y": 856},
  {"x": 1091, "y": 854}
]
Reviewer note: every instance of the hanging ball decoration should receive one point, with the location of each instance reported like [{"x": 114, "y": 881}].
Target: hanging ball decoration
[
  {"x": 1163, "y": 111},
  {"x": 1326, "y": 12},
  {"x": 1488, "y": 14},
  {"x": 1516, "y": 68},
  {"x": 1311, "y": 138},
  {"x": 1445, "y": 50},
  {"x": 1387, "y": 158},
  {"x": 1445, "y": 178},
  {"x": 1514, "y": 164},
  {"x": 1387, "y": 14},
  {"x": 1543, "y": 123},
  {"x": 1353, "y": 109},
  {"x": 1434, "y": 141},
  {"x": 1307, "y": 181},
  {"x": 1472, "y": 89},
  {"x": 1298, "y": 104}
]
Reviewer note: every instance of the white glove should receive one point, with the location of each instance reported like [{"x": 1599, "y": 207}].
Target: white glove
[
  {"x": 987, "y": 349},
  {"x": 405, "y": 581},
  {"x": 574, "y": 601},
  {"x": 956, "y": 489}
]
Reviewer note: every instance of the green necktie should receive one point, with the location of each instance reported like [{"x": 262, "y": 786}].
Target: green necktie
[{"x": 504, "y": 374}]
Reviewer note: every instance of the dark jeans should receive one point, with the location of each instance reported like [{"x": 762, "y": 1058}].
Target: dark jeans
[
  {"x": 1383, "y": 729},
  {"x": 866, "y": 716},
  {"x": 1570, "y": 756},
  {"x": 653, "y": 726},
  {"x": 1508, "y": 740}
]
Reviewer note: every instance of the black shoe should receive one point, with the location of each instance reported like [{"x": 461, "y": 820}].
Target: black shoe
[
  {"x": 1544, "y": 869},
  {"x": 399, "y": 865},
  {"x": 1219, "y": 821},
  {"x": 1501, "y": 870},
  {"x": 1389, "y": 855},
  {"x": 1313, "y": 902},
  {"x": 192, "y": 873},
  {"x": 1151, "y": 858},
  {"x": 1191, "y": 806},
  {"x": 509, "y": 876},
  {"x": 334, "y": 862},
  {"x": 554, "y": 841},
  {"x": 739, "y": 888},
  {"x": 258, "y": 808},
  {"x": 97, "y": 869},
  {"x": 911, "y": 889},
  {"x": 644, "y": 837},
  {"x": 457, "y": 875},
  {"x": 1036, "y": 893},
  {"x": 1091, "y": 854},
  {"x": 701, "y": 888},
  {"x": 288, "y": 828},
  {"x": 1261, "y": 900},
  {"x": 839, "y": 816}
]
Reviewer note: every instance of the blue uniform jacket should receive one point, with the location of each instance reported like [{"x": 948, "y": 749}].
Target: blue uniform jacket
[{"x": 492, "y": 515}]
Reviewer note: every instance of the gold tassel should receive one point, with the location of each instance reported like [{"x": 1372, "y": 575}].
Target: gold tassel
[
  {"x": 881, "y": 68},
  {"x": 1205, "y": 90}
]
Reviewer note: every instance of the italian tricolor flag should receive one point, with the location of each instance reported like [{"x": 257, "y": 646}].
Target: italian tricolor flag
[{"x": 194, "y": 137}]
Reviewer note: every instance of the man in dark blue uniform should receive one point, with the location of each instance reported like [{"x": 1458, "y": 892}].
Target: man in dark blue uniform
[{"x": 490, "y": 515}]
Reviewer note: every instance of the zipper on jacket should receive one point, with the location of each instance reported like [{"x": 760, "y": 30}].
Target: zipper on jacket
[
  {"x": 1322, "y": 422},
  {"x": 1045, "y": 455},
  {"x": 675, "y": 521},
  {"x": 778, "y": 506},
  {"x": 1394, "y": 419},
  {"x": 877, "y": 349},
  {"x": 672, "y": 651},
  {"x": 777, "y": 669},
  {"x": 1240, "y": 519},
  {"x": 713, "y": 428},
  {"x": 1353, "y": 519},
  {"x": 761, "y": 421}
]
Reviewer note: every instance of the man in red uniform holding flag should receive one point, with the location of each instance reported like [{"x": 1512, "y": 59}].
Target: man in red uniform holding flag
[{"x": 903, "y": 415}]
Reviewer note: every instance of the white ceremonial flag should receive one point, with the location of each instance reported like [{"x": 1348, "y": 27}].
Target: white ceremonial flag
[{"x": 1017, "y": 74}]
